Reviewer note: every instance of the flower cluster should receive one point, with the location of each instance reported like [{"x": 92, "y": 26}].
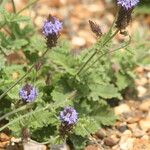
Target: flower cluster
[
  {"x": 68, "y": 116},
  {"x": 51, "y": 29},
  {"x": 52, "y": 26},
  {"x": 28, "y": 93},
  {"x": 124, "y": 14},
  {"x": 127, "y": 4}
]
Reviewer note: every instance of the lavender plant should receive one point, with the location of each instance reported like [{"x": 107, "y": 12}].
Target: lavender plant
[{"x": 81, "y": 85}]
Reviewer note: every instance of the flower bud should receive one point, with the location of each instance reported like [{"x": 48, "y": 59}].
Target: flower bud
[{"x": 95, "y": 28}]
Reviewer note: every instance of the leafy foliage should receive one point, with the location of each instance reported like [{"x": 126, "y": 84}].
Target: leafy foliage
[{"x": 62, "y": 80}]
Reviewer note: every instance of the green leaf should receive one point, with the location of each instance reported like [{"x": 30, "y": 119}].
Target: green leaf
[
  {"x": 105, "y": 91},
  {"x": 122, "y": 81},
  {"x": 105, "y": 117},
  {"x": 86, "y": 126},
  {"x": 36, "y": 43},
  {"x": 17, "y": 44},
  {"x": 11, "y": 17},
  {"x": 14, "y": 93},
  {"x": 58, "y": 96},
  {"x": 79, "y": 142}
]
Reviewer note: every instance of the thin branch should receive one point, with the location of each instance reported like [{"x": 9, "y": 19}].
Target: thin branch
[
  {"x": 27, "y": 6},
  {"x": 5, "y": 55},
  {"x": 14, "y": 7},
  {"x": 13, "y": 85},
  {"x": 15, "y": 111},
  {"x": 109, "y": 52},
  {"x": 84, "y": 65}
]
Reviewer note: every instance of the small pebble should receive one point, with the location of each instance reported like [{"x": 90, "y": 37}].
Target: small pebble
[
  {"x": 78, "y": 41},
  {"x": 145, "y": 124},
  {"x": 101, "y": 133},
  {"x": 123, "y": 108},
  {"x": 141, "y": 91},
  {"x": 110, "y": 141},
  {"x": 145, "y": 105},
  {"x": 4, "y": 137},
  {"x": 122, "y": 127},
  {"x": 126, "y": 143}
]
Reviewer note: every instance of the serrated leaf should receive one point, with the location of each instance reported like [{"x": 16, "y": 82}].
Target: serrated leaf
[
  {"x": 85, "y": 126},
  {"x": 58, "y": 96},
  {"x": 79, "y": 142},
  {"x": 37, "y": 43},
  {"x": 63, "y": 60},
  {"x": 105, "y": 91},
  {"x": 17, "y": 44},
  {"x": 105, "y": 117},
  {"x": 121, "y": 82},
  {"x": 14, "y": 93}
]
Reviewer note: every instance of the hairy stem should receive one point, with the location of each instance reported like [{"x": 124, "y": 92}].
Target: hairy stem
[
  {"x": 13, "y": 85},
  {"x": 15, "y": 111},
  {"x": 27, "y": 6},
  {"x": 14, "y": 7},
  {"x": 51, "y": 106},
  {"x": 95, "y": 52},
  {"x": 109, "y": 52},
  {"x": 23, "y": 116},
  {"x": 5, "y": 55}
]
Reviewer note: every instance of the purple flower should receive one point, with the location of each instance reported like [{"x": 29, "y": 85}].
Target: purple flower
[
  {"x": 127, "y": 4},
  {"x": 51, "y": 26},
  {"x": 68, "y": 116},
  {"x": 28, "y": 93}
]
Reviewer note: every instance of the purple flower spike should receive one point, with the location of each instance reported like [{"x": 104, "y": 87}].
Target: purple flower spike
[
  {"x": 51, "y": 26},
  {"x": 68, "y": 116},
  {"x": 127, "y": 4},
  {"x": 28, "y": 93}
]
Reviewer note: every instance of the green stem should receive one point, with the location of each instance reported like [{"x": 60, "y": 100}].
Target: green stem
[
  {"x": 3, "y": 52},
  {"x": 15, "y": 111},
  {"x": 13, "y": 85},
  {"x": 23, "y": 116},
  {"x": 27, "y": 6},
  {"x": 84, "y": 65},
  {"x": 21, "y": 11},
  {"x": 2, "y": 25},
  {"x": 14, "y": 7},
  {"x": 109, "y": 52},
  {"x": 48, "y": 106},
  {"x": 95, "y": 52}
]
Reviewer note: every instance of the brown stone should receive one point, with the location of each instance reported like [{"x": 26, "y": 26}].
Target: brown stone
[
  {"x": 4, "y": 137},
  {"x": 145, "y": 105},
  {"x": 110, "y": 141},
  {"x": 4, "y": 144},
  {"x": 101, "y": 133}
]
